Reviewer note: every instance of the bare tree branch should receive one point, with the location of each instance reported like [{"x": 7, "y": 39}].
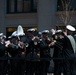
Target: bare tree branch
[{"x": 66, "y": 15}]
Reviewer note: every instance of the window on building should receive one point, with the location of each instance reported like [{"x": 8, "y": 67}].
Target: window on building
[
  {"x": 61, "y": 5},
  {"x": 21, "y": 6}
]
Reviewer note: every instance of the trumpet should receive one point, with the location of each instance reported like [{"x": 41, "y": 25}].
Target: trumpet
[
  {"x": 7, "y": 43},
  {"x": 58, "y": 44}
]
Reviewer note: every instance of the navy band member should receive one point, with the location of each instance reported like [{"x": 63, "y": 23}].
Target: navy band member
[
  {"x": 58, "y": 51},
  {"x": 32, "y": 50},
  {"x": 69, "y": 50},
  {"x": 15, "y": 50},
  {"x": 3, "y": 54},
  {"x": 45, "y": 52}
]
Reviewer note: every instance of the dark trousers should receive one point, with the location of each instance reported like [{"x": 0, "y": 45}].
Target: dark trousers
[
  {"x": 3, "y": 67},
  {"x": 73, "y": 66},
  {"x": 44, "y": 67},
  {"x": 38, "y": 68},
  {"x": 58, "y": 67},
  {"x": 32, "y": 67},
  {"x": 67, "y": 67},
  {"x": 16, "y": 67},
  {"x": 13, "y": 67}
]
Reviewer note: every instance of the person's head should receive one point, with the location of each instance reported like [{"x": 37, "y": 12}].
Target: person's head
[
  {"x": 70, "y": 29},
  {"x": 45, "y": 33},
  {"x": 31, "y": 32},
  {"x": 59, "y": 34},
  {"x": 2, "y": 37},
  {"x": 14, "y": 36},
  {"x": 14, "y": 39}
]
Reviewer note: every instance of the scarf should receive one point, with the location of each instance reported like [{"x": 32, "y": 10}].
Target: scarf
[{"x": 73, "y": 43}]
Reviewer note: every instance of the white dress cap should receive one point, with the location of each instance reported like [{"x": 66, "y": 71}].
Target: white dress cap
[
  {"x": 58, "y": 31},
  {"x": 31, "y": 29},
  {"x": 71, "y": 28},
  {"x": 45, "y": 31}
]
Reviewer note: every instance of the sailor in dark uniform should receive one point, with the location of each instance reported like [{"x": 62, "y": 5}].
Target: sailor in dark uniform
[
  {"x": 58, "y": 51},
  {"x": 22, "y": 40},
  {"x": 31, "y": 52},
  {"x": 45, "y": 52},
  {"x": 15, "y": 49},
  {"x": 74, "y": 58},
  {"x": 69, "y": 50},
  {"x": 3, "y": 54}
]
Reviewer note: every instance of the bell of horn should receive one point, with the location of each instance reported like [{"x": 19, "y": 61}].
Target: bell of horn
[
  {"x": 20, "y": 31},
  {"x": 14, "y": 33},
  {"x": 1, "y": 34}
]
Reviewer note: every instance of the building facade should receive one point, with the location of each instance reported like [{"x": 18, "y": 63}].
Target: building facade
[{"x": 41, "y": 14}]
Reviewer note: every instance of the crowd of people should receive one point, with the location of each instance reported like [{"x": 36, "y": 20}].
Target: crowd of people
[{"x": 29, "y": 53}]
